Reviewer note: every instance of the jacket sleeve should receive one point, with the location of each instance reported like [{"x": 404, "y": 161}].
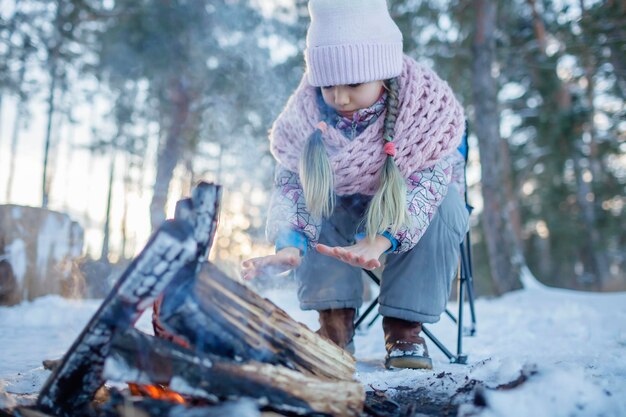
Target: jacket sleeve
[
  {"x": 289, "y": 222},
  {"x": 426, "y": 190}
]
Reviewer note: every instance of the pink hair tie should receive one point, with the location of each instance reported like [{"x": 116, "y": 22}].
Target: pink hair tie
[
  {"x": 390, "y": 149},
  {"x": 322, "y": 126}
]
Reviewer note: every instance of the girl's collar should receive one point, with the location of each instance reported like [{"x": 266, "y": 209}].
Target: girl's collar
[{"x": 360, "y": 119}]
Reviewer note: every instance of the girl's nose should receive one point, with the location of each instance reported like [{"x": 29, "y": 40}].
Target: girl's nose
[{"x": 341, "y": 96}]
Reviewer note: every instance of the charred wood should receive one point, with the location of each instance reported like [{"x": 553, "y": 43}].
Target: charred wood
[
  {"x": 28, "y": 412},
  {"x": 142, "y": 359},
  {"x": 215, "y": 314},
  {"x": 71, "y": 387},
  {"x": 172, "y": 253},
  {"x": 202, "y": 211},
  {"x": 205, "y": 199},
  {"x": 146, "y": 407}
]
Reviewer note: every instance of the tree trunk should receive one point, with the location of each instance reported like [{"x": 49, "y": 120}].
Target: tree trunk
[
  {"x": 104, "y": 254},
  {"x": 170, "y": 152},
  {"x": 510, "y": 196},
  {"x": 590, "y": 67},
  {"x": 54, "y": 51},
  {"x": 14, "y": 141},
  {"x": 1, "y": 119},
  {"x": 505, "y": 256},
  {"x": 596, "y": 261},
  {"x": 585, "y": 188},
  {"x": 543, "y": 253},
  {"x": 18, "y": 121},
  {"x": 45, "y": 185},
  {"x": 127, "y": 181},
  {"x": 616, "y": 13}
]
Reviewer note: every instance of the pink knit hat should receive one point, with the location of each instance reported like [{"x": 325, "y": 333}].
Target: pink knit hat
[{"x": 351, "y": 41}]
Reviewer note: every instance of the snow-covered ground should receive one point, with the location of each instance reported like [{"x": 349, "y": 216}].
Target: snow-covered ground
[{"x": 538, "y": 352}]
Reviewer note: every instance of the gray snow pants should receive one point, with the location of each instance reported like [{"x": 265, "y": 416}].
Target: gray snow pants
[{"x": 415, "y": 285}]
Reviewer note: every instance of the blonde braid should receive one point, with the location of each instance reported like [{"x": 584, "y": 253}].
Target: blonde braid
[
  {"x": 317, "y": 177},
  {"x": 388, "y": 209}
]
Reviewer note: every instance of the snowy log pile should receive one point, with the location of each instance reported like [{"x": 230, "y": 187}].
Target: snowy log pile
[
  {"x": 219, "y": 341},
  {"x": 38, "y": 248}
]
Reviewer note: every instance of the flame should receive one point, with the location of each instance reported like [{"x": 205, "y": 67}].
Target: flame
[{"x": 157, "y": 392}]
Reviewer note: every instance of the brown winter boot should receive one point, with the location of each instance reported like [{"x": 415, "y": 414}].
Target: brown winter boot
[
  {"x": 338, "y": 325},
  {"x": 405, "y": 347}
]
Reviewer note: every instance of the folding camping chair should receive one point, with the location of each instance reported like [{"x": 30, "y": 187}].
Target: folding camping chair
[{"x": 465, "y": 283}]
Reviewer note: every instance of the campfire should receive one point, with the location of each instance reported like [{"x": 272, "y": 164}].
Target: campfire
[
  {"x": 156, "y": 392},
  {"x": 219, "y": 348}
]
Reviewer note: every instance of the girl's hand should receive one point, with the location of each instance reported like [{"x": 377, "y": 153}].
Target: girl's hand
[
  {"x": 364, "y": 253},
  {"x": 283, "y": 261}
]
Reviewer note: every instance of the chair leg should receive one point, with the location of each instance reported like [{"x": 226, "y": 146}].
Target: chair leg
[
  {"x": 450, "y": 315},
  {"x": 459, "y": 359},
  {"x": 459, "y": 333},
  {"x": 466, "y": 259},
  {"x": 465, "y": 281},
  {"x": 372, "y": 276},
  {"x": 470, "y": 299},
  {"x": 367, "y": 311},
  {"x": 372, "y": 321}
]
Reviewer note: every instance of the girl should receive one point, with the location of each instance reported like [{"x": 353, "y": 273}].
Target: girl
[{"x": 367, "y": 164}]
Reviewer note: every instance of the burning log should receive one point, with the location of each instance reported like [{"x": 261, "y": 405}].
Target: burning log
[
  {"x": 218, "y": 315},
  {"x": 202, "y": 211},
  {"x": 73, "y": 384},
  {"x": 137, "y": 407},
  {"x": 243, "y": 345},
  {"x": 173, "y": 251},
  {"x": 147, "y": 360}
]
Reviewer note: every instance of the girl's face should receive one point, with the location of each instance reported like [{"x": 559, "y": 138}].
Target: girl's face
[{"x": 346, "y": 99}]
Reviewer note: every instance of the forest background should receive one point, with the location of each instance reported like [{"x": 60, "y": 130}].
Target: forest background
[{"x": 111, "y": 110}]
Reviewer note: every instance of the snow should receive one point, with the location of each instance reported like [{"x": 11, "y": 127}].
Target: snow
[
  {"x": 529, "y": 281},
  {"x": 561, "y": 352}
]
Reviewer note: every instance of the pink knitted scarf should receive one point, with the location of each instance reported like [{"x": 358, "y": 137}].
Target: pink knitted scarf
[{"x": 429, "y": 126}]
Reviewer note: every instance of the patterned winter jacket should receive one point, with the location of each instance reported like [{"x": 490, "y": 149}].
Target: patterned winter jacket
[{"x": 291, "y": 224}]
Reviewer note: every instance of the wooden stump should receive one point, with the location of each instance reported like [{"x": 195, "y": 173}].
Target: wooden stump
[{"x": 37, "y": 250}]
